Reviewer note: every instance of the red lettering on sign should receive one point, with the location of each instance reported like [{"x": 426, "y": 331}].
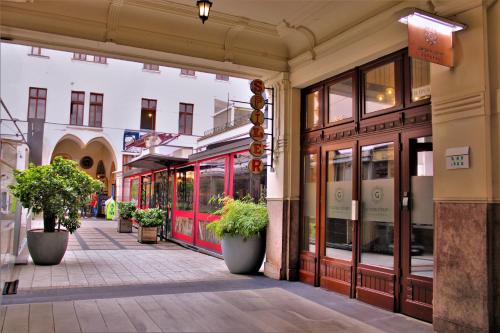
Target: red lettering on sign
[
  {"x": 257, "y": 149},
  {"x": 257, "y": 133}
]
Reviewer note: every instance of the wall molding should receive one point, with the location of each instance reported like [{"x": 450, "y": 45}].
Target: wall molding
[{"x": 462, "y": 106}]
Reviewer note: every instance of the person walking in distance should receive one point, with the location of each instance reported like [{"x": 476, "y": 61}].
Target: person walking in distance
[{"x": 93, "y": 204}]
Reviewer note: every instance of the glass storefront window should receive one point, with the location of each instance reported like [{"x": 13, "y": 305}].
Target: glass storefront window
[
  {"x": 422, "y": 209},
  {"x": 161, "y": 191},
  {"x": 313, "y": 109},
  {"x": 184, "y": 225},
  {"x": 134, "y": 190},
  {"x": 126, "y": 189},
  {"x": 377, "y": 205},
  {"x": 246, "y": 183},
  {"x": 380, "y": 88},
  {"x": 308, "y": 242},
  {"x": 211, "y": 184},
  {"x": 339, "y": 204},
  {"x": 184, "y": 188},
  {"x": 340, "y": 101},
  {"x": 420, "y": 80},
  {"x": 146, "y": 192}
]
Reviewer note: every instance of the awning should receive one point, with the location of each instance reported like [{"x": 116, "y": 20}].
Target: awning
[{"x": 155, "y": 161}]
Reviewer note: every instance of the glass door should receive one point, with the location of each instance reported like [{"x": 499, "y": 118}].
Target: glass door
[
  {"x": 417, "y": 225},
  {"x": 310, "y": 213},
  {"x": 337, "y": 225},
  {"x": 183, "y": 210},
  {"x": 378, "y": 249}
]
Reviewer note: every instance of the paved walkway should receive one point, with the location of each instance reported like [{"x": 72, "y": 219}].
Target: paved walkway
[{"x": 108, "y": 282}]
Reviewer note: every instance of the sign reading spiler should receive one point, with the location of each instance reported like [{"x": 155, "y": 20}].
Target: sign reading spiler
[{"x": 257, "y": 147}]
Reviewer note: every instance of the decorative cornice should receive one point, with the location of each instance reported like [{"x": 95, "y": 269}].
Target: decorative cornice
[{"x": 113, "y": 18}]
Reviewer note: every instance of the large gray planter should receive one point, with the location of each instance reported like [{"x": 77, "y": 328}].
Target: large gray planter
[
  {"x": 244, "y": 256},
  {"x": 47, "y": 248}
]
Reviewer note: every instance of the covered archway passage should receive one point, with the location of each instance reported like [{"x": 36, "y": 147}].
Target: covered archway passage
[{"x": 96, "y": 158}]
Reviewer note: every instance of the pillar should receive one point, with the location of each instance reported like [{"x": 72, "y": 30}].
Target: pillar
[
  {"x": 466, "y": 200},
  {"x": 283, "y": 183}
]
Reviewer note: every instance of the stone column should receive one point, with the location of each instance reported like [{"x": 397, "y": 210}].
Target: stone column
[
  {"x": 465, "y": 198},
  {"x": 283, "y": 183}
]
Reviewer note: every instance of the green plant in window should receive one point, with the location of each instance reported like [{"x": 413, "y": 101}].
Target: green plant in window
[{"x": 243, "y": 218}]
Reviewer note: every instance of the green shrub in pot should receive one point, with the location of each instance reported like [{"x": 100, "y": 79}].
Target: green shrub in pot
[
  {"x": 241, "y": 228},
  {"x": 151, "y": 217},
  {"x": 127, "y": 210}
]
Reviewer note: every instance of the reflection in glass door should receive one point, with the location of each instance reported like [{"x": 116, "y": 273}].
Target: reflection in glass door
[
  {"x": 418, "y": 225},
  {"x": 336, "y": 224},
  {"x": 377, "y": 278},
  {"x": 310, "y": 189}
]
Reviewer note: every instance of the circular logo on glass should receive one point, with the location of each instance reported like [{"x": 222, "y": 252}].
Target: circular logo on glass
[
  {"x": 339, "y": 194},
  {"x": 377, "y": 194}
]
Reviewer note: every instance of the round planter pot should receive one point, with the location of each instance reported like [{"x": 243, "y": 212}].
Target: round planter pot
[
  {"x": 47, "y": 248},
  {"x": 244, "y": 256}
]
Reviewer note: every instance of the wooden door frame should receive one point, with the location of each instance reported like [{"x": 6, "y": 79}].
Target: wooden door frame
[
  {"x": 389, "y": 278},
  {"x": 306, "y": 256},
  {"x": 412, "y": 284},
  {"x": 340, "y": 283}
]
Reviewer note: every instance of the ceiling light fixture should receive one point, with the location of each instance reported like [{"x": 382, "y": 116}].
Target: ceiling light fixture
[{"x": 204, "y": 9}]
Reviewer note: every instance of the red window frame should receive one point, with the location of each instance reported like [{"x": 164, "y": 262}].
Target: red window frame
[
  {"x": 184, "y": 213},
  {"x": 37, "y": 95},
  {"x": 77, "y": 103},
  {"x": 222, "y": 77},
  {"x": 151, "y": 67},
  {"x": 188, "y": 72},
  {"x": 185, "y": 113},
  {"x": 149, "y": 106},
  {"x": 95, "y": 104}
]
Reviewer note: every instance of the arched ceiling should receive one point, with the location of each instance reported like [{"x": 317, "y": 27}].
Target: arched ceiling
[{"x": 241, "y": 37}]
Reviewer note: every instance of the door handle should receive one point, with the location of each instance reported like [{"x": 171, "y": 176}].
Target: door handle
[{"x": 405, "y": 203}]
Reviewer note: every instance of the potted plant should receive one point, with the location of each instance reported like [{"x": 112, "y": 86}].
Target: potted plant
[
  {"x": 241, "y": 228},
  {"x": 127, "y": 210},
  {"x": 57, "y": 190},
  {"x": 149, "y": 220}
]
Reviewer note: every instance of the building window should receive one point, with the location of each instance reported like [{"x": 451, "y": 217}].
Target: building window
[
  {"x": 77, "y": 103},
  {"x": 95, "y": 110},
  {"x": 148, "y": 114},
  {"x": 100, "y": 60},
  {"x": 79, "y": 56},
  {"x": 151, "y": 67},
  {"x": 186, "y": 118},
  {"x": 188, "y": 72},
  {"x": 221, "y": 77},
  {"x": 36, "y": 51},
  {"x": 37, "y": 103}
]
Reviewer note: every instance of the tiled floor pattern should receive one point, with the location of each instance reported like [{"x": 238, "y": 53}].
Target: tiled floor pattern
[
  {"x": 263, "y": 310},
  {"x": 108, "y": 282}
]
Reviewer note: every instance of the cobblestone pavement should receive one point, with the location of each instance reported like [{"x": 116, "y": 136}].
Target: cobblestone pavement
[{"x": 107, "y": 282}]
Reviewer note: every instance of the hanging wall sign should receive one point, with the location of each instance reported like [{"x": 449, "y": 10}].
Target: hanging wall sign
[
  {"x": 257, "y": 149},
  {"x": 257, "y": 133},
  {"x": 255, "y": 165},
  {"x": 257, "y": 117},
  {"x": 430, "y": 43}
]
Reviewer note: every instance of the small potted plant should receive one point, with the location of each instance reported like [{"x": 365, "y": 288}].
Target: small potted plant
[
  {"x": 149, "y": 220},
  {"x": 241, "y": 228},
  {"x": 127, "y": 210},
  {"x": 58, "y": 190}
]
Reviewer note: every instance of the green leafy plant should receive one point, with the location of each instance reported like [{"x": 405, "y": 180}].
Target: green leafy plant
[
  {"x": 152, "y": 217},
  {"x": 127, "y": 209},
  {"x": 243, "y": 218},
  {"x": 58, "y": 190}
]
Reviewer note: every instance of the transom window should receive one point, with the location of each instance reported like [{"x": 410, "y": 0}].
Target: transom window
[
  {"x": 35, "y": 50},
  {"x": 380, "y": 88},
  {"x": 148, "y": 114},
  {"x": 341, "y": 100},
  {"x": 95, "y": 110},
  {"x": 37, "y": 103},
  {"x": 222, "y": 77},
  {"x": 186, "y": 118},
  {"x": 80, "y": 56},
  {"x": 76, "y": 112},
  {"x": 100, "y": 59}
]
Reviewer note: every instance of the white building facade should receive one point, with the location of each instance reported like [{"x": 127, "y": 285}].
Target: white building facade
[{"x": 86, "y": 103}]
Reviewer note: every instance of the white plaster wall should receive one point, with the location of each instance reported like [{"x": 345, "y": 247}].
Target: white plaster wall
[{"x": 123, "y": 84}]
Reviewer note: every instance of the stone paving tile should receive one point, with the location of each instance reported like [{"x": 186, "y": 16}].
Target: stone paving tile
[{"x": 262, "y": 310}]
